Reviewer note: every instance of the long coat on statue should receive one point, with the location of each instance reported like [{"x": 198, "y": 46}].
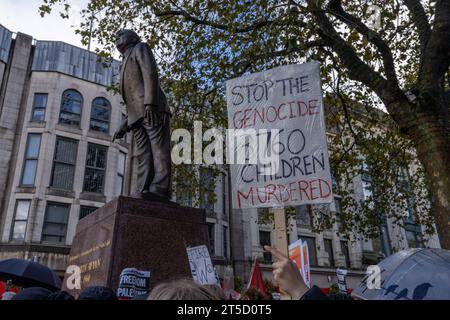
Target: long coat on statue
[{"x": 140, "y": 86}]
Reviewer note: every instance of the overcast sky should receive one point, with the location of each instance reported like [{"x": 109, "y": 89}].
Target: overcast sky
[{"x": 23, "y": 16}]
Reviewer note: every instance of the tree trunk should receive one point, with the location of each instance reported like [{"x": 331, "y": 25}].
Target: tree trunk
[{"x": 432, "y": 140}]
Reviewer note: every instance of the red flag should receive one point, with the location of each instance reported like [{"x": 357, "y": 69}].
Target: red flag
[{"x": 256, "y": 279}]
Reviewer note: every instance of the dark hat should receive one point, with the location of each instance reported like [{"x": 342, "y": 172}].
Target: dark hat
[
  {"x": 97, "y": 293},
  {"x": 32, "y": 293}
]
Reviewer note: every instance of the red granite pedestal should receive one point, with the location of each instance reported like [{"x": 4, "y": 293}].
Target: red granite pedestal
[{"x": 134, "y": 233}]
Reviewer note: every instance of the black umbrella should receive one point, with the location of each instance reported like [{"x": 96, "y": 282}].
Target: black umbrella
[
  {"x": 27, "y": 273},
  {"x": 414, "y": 274}
]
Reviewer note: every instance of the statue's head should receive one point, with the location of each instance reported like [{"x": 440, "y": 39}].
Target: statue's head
[{"x": 126, "y": 38}]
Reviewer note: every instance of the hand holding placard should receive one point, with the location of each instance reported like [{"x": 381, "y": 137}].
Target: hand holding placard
[{"x": 286, "y": 274}]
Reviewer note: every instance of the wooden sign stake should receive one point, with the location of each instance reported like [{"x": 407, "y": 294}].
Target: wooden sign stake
[{"x": 281, "y": 242}]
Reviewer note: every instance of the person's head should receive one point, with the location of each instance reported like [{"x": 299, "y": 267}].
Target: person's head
[
  {"x": 33, "y": 293},
  {"x": 125, "y": 39},
  {"x": 60, "y": 295},
  {"x": 183, "y": 289},
  {"x": 97, "y": 293},
  {"x": 218, "y": 291}
]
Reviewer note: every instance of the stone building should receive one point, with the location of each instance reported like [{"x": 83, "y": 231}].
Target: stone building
[{"x": 58, "y": 164}]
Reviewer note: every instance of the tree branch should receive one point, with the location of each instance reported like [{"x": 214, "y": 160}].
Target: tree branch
[
  {"x": 273, "y": 54},
  {"x": 358, "y": 70},
  {"x": 187, "y": 16},
  {"x": 336, "y": 9},
  {"x": 420, "y": 19},
  {"x": 436, "y": 56}
]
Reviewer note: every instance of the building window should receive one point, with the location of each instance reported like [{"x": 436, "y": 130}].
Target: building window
[
  {"x": 39, "y": 105},
  {"x": 19, "y": 226},
  {"x": 386, "y": 247},
  {"x": 31, "y": 159},
  {"x": 328, "y": 243},
  {"x": 64, "y": 163},
  {"x": 338, "y": 211},
  {"x": 311, "y": 241},
  {"x": 303, "y": 216},
  {"x": 206, "y": 179},
  {"x": 225, "y": 242},
  {"x": 413, "y": 235},
  {"x": 55, "y": 223},
  {"x": 94, "y": 175},
  {"x": 122, "y": 120},
  {"x": 264, "y": 240},
  {"x": 71, "y": 105},
  {"x": 85, "y": 211},
  {"x": 184, "y": 196},
  {"x": 100, "y": 113},
  {"x": 120, "y": 173},
  {"x": 211, "y": 235},
  {"x": 345, "y": 252}
]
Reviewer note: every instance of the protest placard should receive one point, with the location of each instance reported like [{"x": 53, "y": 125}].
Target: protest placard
[
  {"x": 342, "y": 284},
  {"x": 277, "y": 126},
  {"x": 298, "y": 252},
  {"x": 133, "y": 282},
  {"x": 202, "y": 269}
]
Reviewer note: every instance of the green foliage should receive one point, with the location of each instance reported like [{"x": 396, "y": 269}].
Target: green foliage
[
  {"x": 238, "y": 284},
  {"x": 201, "y": 44}
]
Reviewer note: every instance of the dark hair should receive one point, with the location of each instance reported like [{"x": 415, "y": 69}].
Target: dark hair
[
  {"x": 32, "y": 293},
  {"x": 97, "y": 293},
  {"x": 60, "y": 295}
]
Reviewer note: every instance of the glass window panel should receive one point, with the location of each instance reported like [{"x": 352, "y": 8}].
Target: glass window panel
[
  {"x": 57, "y": 214},
  {"x": 93, "y": 180},
  {"x": 55, "y": 223},
  {"x": 119, "y": 185},
  {"x": 66, "y": 151},
  {"x": 23, "y": 206},
  {"x": 264, "y": 240},
  {"x": 39, "y": 114},
  {"x": 85, "y": 211},
  {"x": 71, "y": 106},
  {"x": 311, "y": 249},
  {"x": 34, "y": 141},
  {"x": 345, "y": 252},
  {"x": 99, "y": 126},
  {"x": 367, "y": 189},
  {"x": 303, "y": 216},
  {"x": 72, "y": 94},
  {"x": 40, "y": 100},
  {"x": 225, "y": 241},
  {"x": 29, "y": 172},
  {"x": 328, "y": 243},
  {"x": 121, "y": 163},
  {"x": 69, "y": 118},
  {"x": 100, "y": 113},
  {"x": 337, "y": 205},
  {"x": 101, "y": 158},
  {"x": 211, "y": 235},
  {"x": 63, "y": 176},
  {"x": 19, "y": 230},
  {"x": 49, "y": 238},
  {"x": 101, "y": 102},
  {"x": 54, "y": 229},
  {"x": 96, "y": 156}
]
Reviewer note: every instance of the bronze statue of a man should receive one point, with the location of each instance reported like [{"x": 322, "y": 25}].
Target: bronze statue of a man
[{"x": 148, "y": 116}]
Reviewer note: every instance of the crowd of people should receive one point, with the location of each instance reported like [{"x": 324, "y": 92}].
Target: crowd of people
[{"x": 285, "y": 273}]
